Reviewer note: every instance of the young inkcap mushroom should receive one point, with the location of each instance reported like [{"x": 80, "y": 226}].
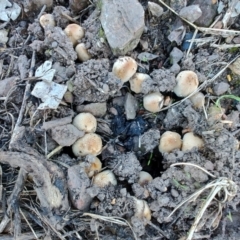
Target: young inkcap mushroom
[
  {"x": 198, "y": 100},
  {"x": 144, "y": 178},
  {"x": 105, "y": 178},
  {"x": 187, "y": 83},
  {"x": 95, "y": 166},
  {"x": 142, "y": 209},
  {"x": 75, "y": 32},
  {"x": 190, "y": 141},
  {"x": 124, "y": 68},
  {"x": 90, "y": 143},
  {"x": 153, "y": 102},
  {"x": 82, "y": 53},
  {"x": 85, "y": 122},
  {"x": 47, "y": 20},
  {"x": 169, "y": 141},
  {"x": 137, "y": 80}
]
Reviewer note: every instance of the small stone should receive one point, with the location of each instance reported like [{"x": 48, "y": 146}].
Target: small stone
[
  {"x": 236, "y": 40},
  {"x": 155, "y": 9},
  {"x": 218, "y": 25},
  {"x": 178, "y": 4},
  {"x": 220, "y": 88},
  {"x": 130, "y": 106},
  {"x": 176, "y": 55},
  {"x": 96, "y": 109},
  {"x": 174, "y": 193},
  {"x": 191, "y": 13},
  {"x": 235, "y": 67},
  {"x": 123, "y": 24},
  {"x": 175, "y": 68},
  {"x": 209, "y": 11}
]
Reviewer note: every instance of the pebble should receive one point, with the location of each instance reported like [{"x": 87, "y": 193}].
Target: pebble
[
  {"x": 220, "y": 88},
  {"x": 176, "y": 55},
  {"x": 130, "y": 106},
  {"x": 123, "y": 24}
]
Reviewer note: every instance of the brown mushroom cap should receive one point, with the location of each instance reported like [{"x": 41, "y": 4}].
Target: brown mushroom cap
[
  {"x": 142, "y": 209},
  {"x": 47, "y": 20},
  {"x": 75, "y": 32},
  {"x": 137, "y": 80},
  {"x": 190, "y": 141},
  {"x": 153, "y": 102},
  {"x": 90, "y": 143},
  {"x": 104, "y": 178},
  {"x": 144, "y": 178},
  {"x": 82, "y": 52},
  {"x": 169, "y": 141},
  {"x": 187, "y": 83},
  {"x": 85, "y": 122},
  {"x": 124, "y": 68},
  {"x": 95, "y": 166}
]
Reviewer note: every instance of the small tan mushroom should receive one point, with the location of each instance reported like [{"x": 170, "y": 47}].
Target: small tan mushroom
[
  {"x": 190, "y": 141},
  {"x": 85, "y": 122},
  {"x": 153, "y": 102},
  {"x": 75, "y": 33},
  {"x": 47, "y": 20},
  {"x": 187, "y": 83},
  {"x": 136, "y": 82},
  {"x": 198, "y": 100},
  {"x": 169, "y": 141},
  {"x": 124, "y": 68},
  {"x": 144, "y": 178},
  {"x": 142, "y": 209},
  {"x": 90, "y": 143},
  {"x": 105, "y": 178},
  {"x": 95, "y": 166},
  {"x": 82, "y": 52}
]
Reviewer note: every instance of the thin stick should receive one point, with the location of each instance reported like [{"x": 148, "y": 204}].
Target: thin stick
[
  {"x": 193, "y": 165},
  {"x": 23, "y": 107}
]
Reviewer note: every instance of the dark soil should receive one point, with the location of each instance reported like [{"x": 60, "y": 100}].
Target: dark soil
[{"x": 45, "y": 191}]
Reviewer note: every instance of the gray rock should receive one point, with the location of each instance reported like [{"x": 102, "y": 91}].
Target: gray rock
[
  {"x": 176, "y": 55},
  {"x": 155, "y": 9},
  {"x": 123, "y": 24},
  {"x": 130, "y": 106},
  {"x": 191, "y": 13},
  {"x": 209, "y": 11},
  {"x": 175, "y": 68},
  {"x": 96, "y": 109},
  {"x": 220, "y": 88}
]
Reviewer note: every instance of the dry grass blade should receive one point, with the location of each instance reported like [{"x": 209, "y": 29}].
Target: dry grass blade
[
  {"x": 193, "y": 165},
  {"x": 116, "y": 220},
  {"x": 218, "y": 186}
]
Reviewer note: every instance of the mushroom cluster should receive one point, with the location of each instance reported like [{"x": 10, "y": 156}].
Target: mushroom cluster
[
  {"x": 170, "y": 141},
  {"x": 90, "y": 143}
]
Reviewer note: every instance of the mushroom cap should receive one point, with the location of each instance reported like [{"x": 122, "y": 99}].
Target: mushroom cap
[
  {"x": 104, "y": 178},
  {"x": 90, "y": 143},
  {"x": 85, "y": 122},
  {"x": 124, "y": 68},
  {"x": 82, "y": 52},
  {"x": 153, "y": 102},
  {"x": 169, "y": 141},
  {"x": 142, "y": 209},
  {"x": 190, "y": 141},
  {"x": 187, "y": 83},
  {"x": 144, "y": 178},
  {"x": 47, "y": 20},
  {"x": 75, "y": 32},
  {"x": 198, "y": 100},
  {"x": 137, "y": 80},
  {"x": 95, "y": 165}
]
